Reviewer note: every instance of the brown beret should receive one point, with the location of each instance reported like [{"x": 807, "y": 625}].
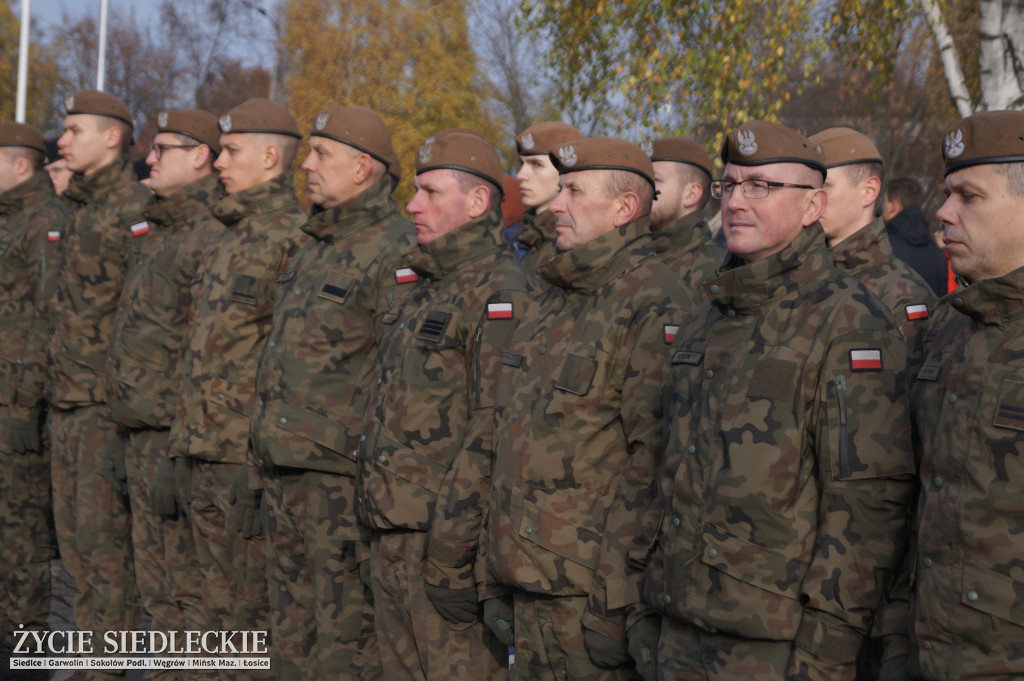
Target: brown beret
[
  {"x": 198, "y": 124},
  {"x": 758, "y": 143},
  {"x": 680, "y": 150},
  {"x": 602, "y": 153},
  {"x": 362, "y": 129},
  {"x": 985, "y": 137},
  {"x": 845, "y": 146},
  {"x": 459, "y": 149},
  {"x": 21, "y": 135},
  {"x": 99, "y": 104},
  {"x": 537, "y": 140},
  {"x": 260, "y": 115}
]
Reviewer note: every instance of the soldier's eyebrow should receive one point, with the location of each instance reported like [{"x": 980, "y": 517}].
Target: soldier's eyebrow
[{"x": 963, "y": 185}]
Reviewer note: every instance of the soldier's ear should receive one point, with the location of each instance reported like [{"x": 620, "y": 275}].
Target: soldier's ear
[
  {"x": 627, "y": 208},
  {"x": 814, "y": 208},
  {"x": 271, "y": 155}
]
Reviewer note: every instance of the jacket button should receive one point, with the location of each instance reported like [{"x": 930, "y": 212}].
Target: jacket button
[
  {"x": 666, "y": 599},
  {"x": 937, "y": 481},
  {"x": 362, "y": 438},
  {"x": 691, "y": 449},
  {"x": 284, "y": 420},
  {"x": 714, "y": 288},
  {"x": 712, "y": 553},
  {"x": 408, "y": 258},
  {"x": 492, "y": 560},
  {"x": 514, "y": 416},
  {"x": 709, "y": 373},
  {"x": 927, "y": 562},
  {"x": 542, "y": 349},
  {"x": 951, "y": 399},
  {"x": 927, "y": 645},
  {"x": 528, "y": 529},
  {"x": 972, "y": 596},
  {"x": 382, "y": 458},
  {"x": 677, "y": 521},
  {"x": 730, "y": 313}
]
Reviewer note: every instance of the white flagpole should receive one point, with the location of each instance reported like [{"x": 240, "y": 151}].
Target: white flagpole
[
  {"x": 26, "y": 16},
  {"x": 101, "y": 68}
]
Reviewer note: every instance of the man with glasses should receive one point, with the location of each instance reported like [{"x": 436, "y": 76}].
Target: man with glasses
[
  {"x": 787, "y": 465},
  {"x": 143, "y": 370}
]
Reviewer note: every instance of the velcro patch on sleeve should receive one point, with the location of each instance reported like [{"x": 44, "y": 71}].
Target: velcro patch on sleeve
[
  {"x": 432, "y": 328},
  {"x": 53, "y": 235},
  {"x": 866, "y": 359},
  {"x": 1010, "y": 409},
  {"x": 917, "y": 312},
  {"x": 774, "y": 379},
  {"x": 499, "y": 310},
  {"x": 670, "y": 333},
  {"x": 140, "y": 229}
]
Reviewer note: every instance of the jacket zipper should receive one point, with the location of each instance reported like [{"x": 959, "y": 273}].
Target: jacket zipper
[{"x": 844, "y": 463}]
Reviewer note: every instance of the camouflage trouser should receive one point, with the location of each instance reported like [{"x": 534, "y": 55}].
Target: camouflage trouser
[
  {"x": 93, "y": 524},
  {"x": 166, "y": 568},
  {"x": 321, "y": 616},
  {"x": 415, "y": 641},
  {"x": 549, "y": 641},
  {"x": 26, "y": 547},
  {"x": 233, "y": 569},
  {"x": 688, "y": 653}
]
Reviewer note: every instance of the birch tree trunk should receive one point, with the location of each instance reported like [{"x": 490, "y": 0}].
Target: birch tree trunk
[
  {"x": 1001, "y": 29},
  {"x": 949, "y": 56}
]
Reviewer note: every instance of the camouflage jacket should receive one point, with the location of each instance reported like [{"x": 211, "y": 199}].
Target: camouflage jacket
[
  {"x": 151, "y": 329},
  {"x": 31, "y": 221},
  {"x": 787, "y": 468},
  {"x": 581, "y": 396},
  {"x": 686, "y": 247},
  {"x": 233, "y": 303},
  {"x": 539, "y": 234},
  {"x": 107, "y": 224},
  {"x": 967, "y": 601},
  {"x": 867, "y": 257},
  {"x": 429, "y": 425},
  {"x": 315, "y": 372}
]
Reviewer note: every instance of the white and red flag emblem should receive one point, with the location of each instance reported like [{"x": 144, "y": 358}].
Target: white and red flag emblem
[
  {"x": 140, "y": 229},
  {"x": 499, "y": 310},
  {"x": 917, "y": 312},
  {"x": 406, "y": 275},
  {"x": 868, "y": 359}
]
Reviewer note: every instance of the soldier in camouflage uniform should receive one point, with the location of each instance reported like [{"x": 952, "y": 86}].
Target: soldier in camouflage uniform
[
  {"x": 312, "y": 388},
  {"x": 682, "y": 238},
  {"x": 233, "y": 293},
  {"x": 31, "y": 219},
  {"x": 858, "y": 241},
  {"x": 966, "y": 605},
  {"x": 538, "y": 185},
  {"x": 429, "y": 424},
  {"x": 93, "y": 522},
  {"x": 581, "y": 393},
  {"x": 143, "y": 372},
  {"x": 787, "y": 466}
]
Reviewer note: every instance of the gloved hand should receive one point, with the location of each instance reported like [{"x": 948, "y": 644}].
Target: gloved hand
[
  {"x": 605, "y": 651},
  {"x": 247, "y": 502},
  {"x": 183, "y": 483},
  {"x": 113, "y": 464},
  {"x": 894, "y": 669},
  {"x": 23, "y": 434},
  {"x": 161, "y": 491},
  {"x": 643, "y": 646},
  {"x": 455, "y": 605},
  {"x": 498, "y": 618}
]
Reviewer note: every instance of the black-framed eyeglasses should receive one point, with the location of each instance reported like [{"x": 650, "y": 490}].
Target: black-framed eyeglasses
[
  {"x": 158, "y": 149},
  {"x": 752, "y": 189}
]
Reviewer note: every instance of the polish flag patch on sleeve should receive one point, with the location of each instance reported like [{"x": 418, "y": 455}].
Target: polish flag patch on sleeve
[
  {"x": 499, "y": 310},
  {"x": 140, "y": 229},
  {"x": 406, "y": 275},
  {"x": 917, "y": 312},
  {"x": 53, "y": 236},
  {"x": 869, "y": 359},
  {"x": 670, "y": 333}
]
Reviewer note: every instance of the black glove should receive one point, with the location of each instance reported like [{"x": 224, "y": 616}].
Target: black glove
[
  {"x": 161, "y": 491},
  {"x": 247, "y": 502},
  {"x": 183, "y": 483},
  {"x": 498, "y": 618},
  {"x": 643, "y": 646},
  {"x": 455, "y": 605},
  {"x": 23, "y": 434},
  {"x": 113, "y": 464},
  {"x": 605, "y": 651}
]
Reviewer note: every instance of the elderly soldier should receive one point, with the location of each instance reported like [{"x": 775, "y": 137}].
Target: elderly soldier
[
  {"x": 31, "y": 217},
  {"x": 93, "y": 524},
  {"x": 143, "y": 372},
  {"x": 968, "y": 401},
  {"x": 312, "y": 390},
  {"x": 233, "y": 297},
  {"x": 682, "y": 238},
  {"x": 424, "y": 466},
  {"x": 583, "y": 394},
  {"x": 538, "y": 184},
  {"x": 787, "y": 464},
  {"x": 857, "y": 239}
]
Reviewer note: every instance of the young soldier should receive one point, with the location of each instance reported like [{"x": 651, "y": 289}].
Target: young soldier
[
  {"x": 583, "y": 391},
  {"x": 538, "y": 184},
  {"x": 424, "y": 466},
  {"x": 682, "y": 238},
  {"x": 787, "y": 465},
  {"x": 143, "y": 372},
  {"x": 31, "y": 220},
  {"x": 233, "y": 301},
  {"x": 312, "y": 389}
]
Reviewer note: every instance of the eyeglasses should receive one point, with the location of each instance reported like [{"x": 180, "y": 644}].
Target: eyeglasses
[
  {"x": 752, "y": 189},
  {"x": 158, "y": 149}
]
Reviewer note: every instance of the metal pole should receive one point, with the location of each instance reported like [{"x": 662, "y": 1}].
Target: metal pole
[
  {"x": 26, "y": 17},
  {"x": 101, "y": 68}
]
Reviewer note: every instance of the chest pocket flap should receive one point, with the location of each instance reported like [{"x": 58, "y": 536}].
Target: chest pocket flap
[{"x": 577, "y": 374}]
